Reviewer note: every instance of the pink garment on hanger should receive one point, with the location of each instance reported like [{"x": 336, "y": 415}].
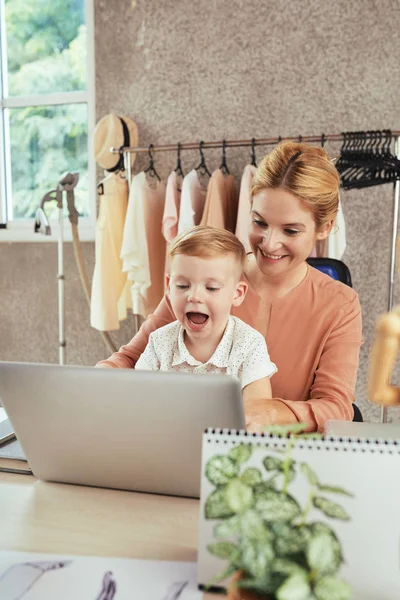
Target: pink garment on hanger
[
  {"x": 221, "y": 205},
  {"x": 243, "y": 213},
  {"x": 171, "y": 208}
]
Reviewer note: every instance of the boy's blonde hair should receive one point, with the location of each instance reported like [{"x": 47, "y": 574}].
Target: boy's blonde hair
[{"x": 208, "y": 242}]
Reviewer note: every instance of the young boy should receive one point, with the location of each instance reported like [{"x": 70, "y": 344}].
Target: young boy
[{"x": 205, "y": 282}]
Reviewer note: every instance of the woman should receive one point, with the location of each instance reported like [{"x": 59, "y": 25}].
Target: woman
[{"x": 312, "y": 323}]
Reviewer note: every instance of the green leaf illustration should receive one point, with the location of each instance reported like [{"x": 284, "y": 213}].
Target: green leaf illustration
[
  {"x": 296, "y": 587},
  {"x": 290, "y": 539},
  {"x": 271, "y": 463},
  {"x": 286, "y": 567},
  {"x": 330, "y": 509},
  {"x": 225, "y": 550},
  {"x": 292, "y": 472},
  {"x": 333, "y": 489},
  {"x": 322, "y": 555},
  {"x": 241, "y": 453},
  {"x": 270, "y": 484},
  {"x": 251, "y": 476},
  {"x": 216, "y": 506},
  {"x": 221, "y": 469},
  {"x": 330, "y": 588},
  {"x": 318, "y": 527},
  {"x": 310, "y": 475},
  {"x": 239, "y": 496},
  {"x": 277, "y": 506},
  {"x": 227, "y": 528},
  {"x": 257, "y": 558},
  {"x": 252, "y": 526}
]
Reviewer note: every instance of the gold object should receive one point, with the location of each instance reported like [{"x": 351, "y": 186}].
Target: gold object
[
  {"x": 384, "y": 355},
  {"x": 383, "y": 358}
]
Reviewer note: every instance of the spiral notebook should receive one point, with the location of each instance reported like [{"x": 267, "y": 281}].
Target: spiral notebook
[{"x": 346, "y": 489}]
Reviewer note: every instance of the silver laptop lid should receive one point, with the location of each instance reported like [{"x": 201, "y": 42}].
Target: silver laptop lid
[
  {"x": 117, "y": 428},
  {"x": 374, "y": 431}
]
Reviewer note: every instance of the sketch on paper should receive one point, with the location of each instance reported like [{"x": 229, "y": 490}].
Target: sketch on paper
[
  {"x": 27, "y": 574},
  {"x": 108, "y": 587},
  {"x": 175, "y": 590},
  {"x": 24, "y": 577}
]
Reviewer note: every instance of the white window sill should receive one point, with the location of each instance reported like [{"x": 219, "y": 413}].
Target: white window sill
[{"x": 23, "y": 231}]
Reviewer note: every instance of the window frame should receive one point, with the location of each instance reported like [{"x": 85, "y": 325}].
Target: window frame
[{"x": 22, "y": 230}]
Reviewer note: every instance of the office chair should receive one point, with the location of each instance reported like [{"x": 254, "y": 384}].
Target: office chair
[
  {"x": 332, "y": 267},
  {"x": 339, "y": 271}
]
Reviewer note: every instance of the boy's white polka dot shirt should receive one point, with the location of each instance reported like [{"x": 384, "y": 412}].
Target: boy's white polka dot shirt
[{"x": 242, "y": 352}]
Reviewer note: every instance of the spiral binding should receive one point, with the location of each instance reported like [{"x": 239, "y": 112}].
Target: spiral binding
[{"x": 324, "y": 443}]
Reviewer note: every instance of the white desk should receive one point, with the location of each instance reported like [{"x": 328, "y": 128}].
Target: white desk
[{"x": 36, "y": 516}]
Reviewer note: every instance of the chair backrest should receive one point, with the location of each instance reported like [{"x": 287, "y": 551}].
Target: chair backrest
[
  {"x": 358, "y": 418},
  {"x": 332, "y": 267}
]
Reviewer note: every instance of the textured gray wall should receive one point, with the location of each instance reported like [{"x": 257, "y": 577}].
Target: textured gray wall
[{"x": 207, "y": 70}]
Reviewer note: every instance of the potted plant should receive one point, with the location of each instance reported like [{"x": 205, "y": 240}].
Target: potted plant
[{"x": 271, "y": 547}]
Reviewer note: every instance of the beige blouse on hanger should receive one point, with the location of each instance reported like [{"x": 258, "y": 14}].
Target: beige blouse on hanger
[{"x": 110, "y": 296}]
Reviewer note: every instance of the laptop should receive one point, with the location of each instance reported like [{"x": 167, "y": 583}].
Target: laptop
[
  {"x": 350, "y": 429},
  {"x": 117, "y": 428}
]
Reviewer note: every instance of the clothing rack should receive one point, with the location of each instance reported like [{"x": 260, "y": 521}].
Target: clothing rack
[
  {"x": 322, "y": 139},
  {"x": 251, "y": 143}
]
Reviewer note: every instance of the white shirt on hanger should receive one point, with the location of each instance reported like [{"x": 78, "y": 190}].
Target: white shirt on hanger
[
  {"x": 243, "y": 215},
  {"x": 337, "y": 238},
  {"x": 143, "y": 245},
  {"x": 193, "y": 198}
]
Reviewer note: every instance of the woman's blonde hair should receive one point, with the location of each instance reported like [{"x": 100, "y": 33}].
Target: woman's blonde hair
[
  {"x": 208, "y": 242},
  {"x": 304, "y": 171}
]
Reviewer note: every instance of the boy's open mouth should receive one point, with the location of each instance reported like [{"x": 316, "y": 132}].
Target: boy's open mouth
[{"x": 197, "y": 318}]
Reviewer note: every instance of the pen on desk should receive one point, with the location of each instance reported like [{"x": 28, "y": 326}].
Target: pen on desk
[{"x": 7, "y": 438}]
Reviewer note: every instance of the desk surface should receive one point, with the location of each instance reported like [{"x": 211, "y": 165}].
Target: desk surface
[{"x": 37, "y": 516}]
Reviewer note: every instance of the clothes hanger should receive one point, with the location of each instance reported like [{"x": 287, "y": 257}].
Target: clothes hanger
[
  {"x": 253, "y": 152},
  {"x": 178, "y": 168},
  {"x": 202, "y": 167},
  {"x": 366, "y": 159},
  {"x": 224, "y": 166},
  {"x": 151, "y": 169}
]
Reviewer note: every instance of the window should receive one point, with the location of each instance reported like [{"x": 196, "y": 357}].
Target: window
[{"x": 47, "y": 110}]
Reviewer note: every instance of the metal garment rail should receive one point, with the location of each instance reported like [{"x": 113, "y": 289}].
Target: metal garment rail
[{"x": 319, "y": 139}]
